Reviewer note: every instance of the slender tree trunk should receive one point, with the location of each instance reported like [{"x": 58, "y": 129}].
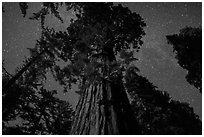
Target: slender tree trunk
[
  {"x": 104, "y": 109},
  {"x": 13, "y": 97},
  {"x": 13, "y": 79}
]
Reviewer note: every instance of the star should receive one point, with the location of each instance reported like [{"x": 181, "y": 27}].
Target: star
[
  {"x": 169, "y": 22},
  {"x": 163, "y": 25},
  {"x": 4, "y": 50},
  {"x": 147, "y": 6}
]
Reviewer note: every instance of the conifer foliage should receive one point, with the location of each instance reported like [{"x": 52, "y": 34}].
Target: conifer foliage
[
  {"x": 188, "y": 47},
  {"x": 98, "y": 48},
  {"x": 156, "y": 112}
]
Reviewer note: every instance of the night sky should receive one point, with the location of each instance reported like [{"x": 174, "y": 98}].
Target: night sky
[{"x": 156, "y": 58}]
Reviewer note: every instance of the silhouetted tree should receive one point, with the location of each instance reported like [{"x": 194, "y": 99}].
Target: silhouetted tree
[
  {"x": 9, "y": 98},
  {"x": 41, "y": 55},
  {"x": 22, "y": 97},
  {"x": 156, "y": 112},
  {"x": 188, "y": 47},
  {"x": 41, "y": 112},
  {"x": 45, "y": 114},
  {"x": 98, "y": 47}
]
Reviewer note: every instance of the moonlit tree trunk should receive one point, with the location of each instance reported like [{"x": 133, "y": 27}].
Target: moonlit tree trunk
[{"x": 104, "y": 109}]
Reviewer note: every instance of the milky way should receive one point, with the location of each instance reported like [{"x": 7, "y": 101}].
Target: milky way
[{"x": 156, "y": 58}]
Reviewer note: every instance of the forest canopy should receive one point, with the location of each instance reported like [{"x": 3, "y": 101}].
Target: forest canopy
[{"x": 99, "y": 48}]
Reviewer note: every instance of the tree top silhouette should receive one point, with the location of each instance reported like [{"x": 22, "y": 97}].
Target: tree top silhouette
[{"x": 188, "y": 48}]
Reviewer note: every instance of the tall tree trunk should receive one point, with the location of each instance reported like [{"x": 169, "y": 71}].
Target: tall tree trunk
[{"x": 104, "y": 109}]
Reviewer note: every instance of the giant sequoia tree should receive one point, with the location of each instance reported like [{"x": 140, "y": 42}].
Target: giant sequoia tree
[
  {"x": 98, "y": 48},
  {"x": 98, "y": 45},
  {"x": 101, "y": 32},
  {"x": 188, "y": 47}
]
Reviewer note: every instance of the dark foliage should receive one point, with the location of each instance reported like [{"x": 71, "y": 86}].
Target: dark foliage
[
  {"x": 99, "y": 33},
  {"x": 39, "y": 110},
  {"x": 3, "y": 9},
  {"x": 27, "y": 100},
  {"x": 156, "y": 112},
  {"x": 23, "y": 7},
  {"x": 92, "y": 35},
  {"x": 188, "y": 47}
]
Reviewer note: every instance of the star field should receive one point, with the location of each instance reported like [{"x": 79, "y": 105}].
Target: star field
[{"x": 156, "y": 59}]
